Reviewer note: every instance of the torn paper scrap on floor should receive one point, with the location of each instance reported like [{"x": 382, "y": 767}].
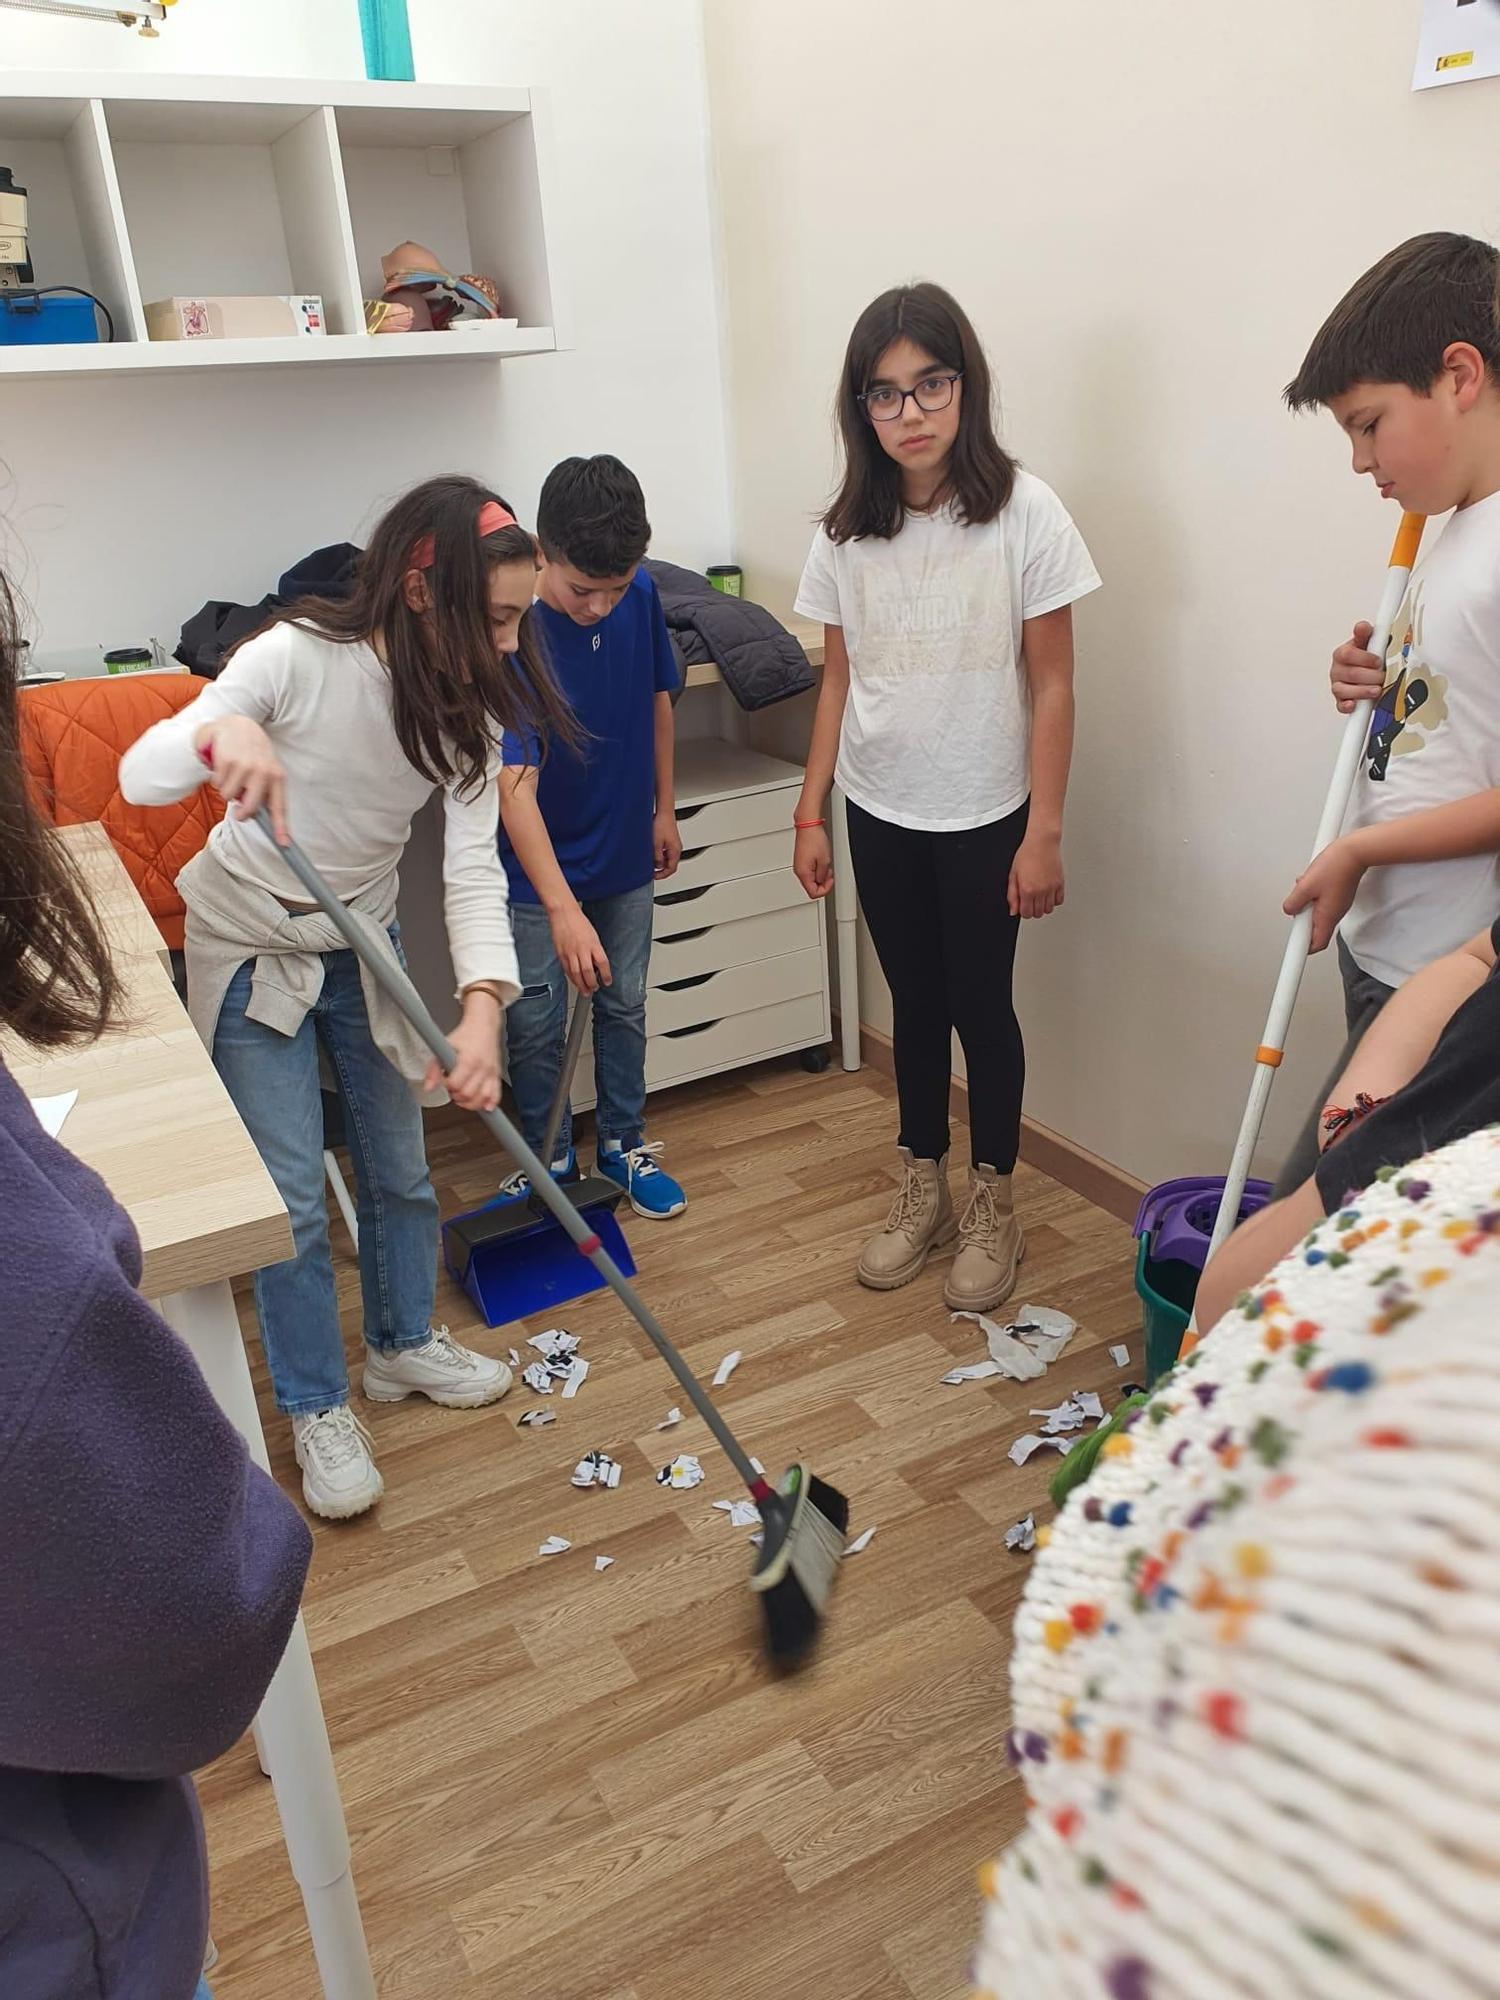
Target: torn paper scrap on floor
[
  {"x": 1044, "y": 1331},
  {"x": 683, "y": 1472},
  {"x": 515, "y": 1359},
  {"x": 757, "y": 1541},
  {"x": 1023, "y": 1447},
  {"x": 742, "y": 1513},
  {"x": 534, "y": 1419},
  {"x": 673, "y": 1416},
  {"x": 578, "y": 1374},
  {"x": 604, "y": 1562},
  {"x": 554, "y": 1546},
  {"x": 536, "y": 1377},
  {"x": 860, "y": 1542},
  {"x": 554, "y": 1344},
  {"x": 1022, "y": 1349},
  {"x": 726, "y": 1368},
  {"x": 977, "y": 1373},
  {"x": 1120, "y": 1356},
  {"x": 1022, "y": 1536},
  {"x": 596, "y": 1468},
  {"x": 1082, "y": 1407},
  {"x": 755, "y": 1462}
]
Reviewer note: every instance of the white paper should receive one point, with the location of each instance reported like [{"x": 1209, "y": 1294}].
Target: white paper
[
  {"x": 860, "y": 1542},
  {"x": 51, "y": 1111},
  {"x": 578, "y": 1374},
  {"x": 1023, "y": 1447},
  {"x": 596, "y": 1468},
  {"x": 1008, "y": 1356},
  {"x": 977, "y": 1373},
  {"x": 515, "y": 1359},
  {"x": 536, "y": 1377},
  {"x": 1044, "y": 1331},
  {"x": 1082, "y": 1407},
  {"x": 603, "y": 1562},
  {"x": 1459, "y": 42},
  {"x": 554, "y": 1343},
  {"x": 534, "y": 1419},
  {"x": 742, "y": 1513},
  {"x": 673, "y": 1416},
  {"x": 755, "y": 1462},
  {"x": 757, "y": 1541},
  {"x": 554, "y": 1546},
  {"x": 682, "y": 1473},
  {"x": 1023, "y": 1535},
  {"x": 726, "y": 1368},
  {"x": 1120, "y": 1356},
  {"x": 1090, "y": 1404}
]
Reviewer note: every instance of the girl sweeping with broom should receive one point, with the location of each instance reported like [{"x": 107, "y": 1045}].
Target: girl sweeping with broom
[
  {"x": 359, "y": 710},
  {"x": 945, "y": 577}
]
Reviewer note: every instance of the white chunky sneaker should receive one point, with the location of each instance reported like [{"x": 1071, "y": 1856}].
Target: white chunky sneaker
[
  {"x": 439, "y": 1369},
  {"x": 339, "y": 1474}
]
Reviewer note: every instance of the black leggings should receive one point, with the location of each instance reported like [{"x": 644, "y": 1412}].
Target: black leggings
[{"x": 936, "y": 907}]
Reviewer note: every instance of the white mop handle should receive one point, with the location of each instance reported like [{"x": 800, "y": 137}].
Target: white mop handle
[{"x": 1294, "y": 960}]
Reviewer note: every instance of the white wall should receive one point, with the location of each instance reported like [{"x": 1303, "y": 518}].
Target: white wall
[{"x": 1148, "y": 209}]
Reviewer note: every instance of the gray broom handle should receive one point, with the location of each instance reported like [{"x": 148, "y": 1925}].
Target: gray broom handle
[{"x": 397, "y": 987}]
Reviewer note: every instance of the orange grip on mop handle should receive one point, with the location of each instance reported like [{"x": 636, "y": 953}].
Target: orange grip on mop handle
[
  {"x": 1408, "y": 541},
  {"x": 1271, "y": 1058}
]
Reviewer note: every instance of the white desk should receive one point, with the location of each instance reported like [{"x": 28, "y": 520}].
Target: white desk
[{"x": 153, "y": 1119}]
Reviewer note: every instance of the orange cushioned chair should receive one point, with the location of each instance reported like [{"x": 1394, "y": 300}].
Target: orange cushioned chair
[{"x": 73, "y": 735}]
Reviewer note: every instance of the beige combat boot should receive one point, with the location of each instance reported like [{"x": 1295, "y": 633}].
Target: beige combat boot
[
  {"x": 921, "y": 1217},
  {"x": 990, "y": 1245}
]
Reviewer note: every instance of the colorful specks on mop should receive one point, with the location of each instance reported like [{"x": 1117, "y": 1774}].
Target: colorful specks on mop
[
  {"x": 1252, "y": 1560},
  {"x": 1067, "y": 1820},
  {"x": 1224, "y": 1712},
  {"x": 1118, "y": 1446},
  {"x": 1269, "y": 1441},
  {"x": 1353, "y": 1377},
  {"x": 1205, "y": 1392},
  {"x": 1085, "y": 1618},
  {"x": 1387, "y": 1438},
  {"x": 1057, "y": 1634},
  {"x": 1119, "y": 1514},
  {"x": 1127, "y": 1979}
]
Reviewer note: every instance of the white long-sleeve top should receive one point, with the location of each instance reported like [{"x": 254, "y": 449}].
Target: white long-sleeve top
[{"x": 351, "y": 793}]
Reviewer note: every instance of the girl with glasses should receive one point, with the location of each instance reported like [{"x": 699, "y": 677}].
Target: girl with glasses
[{"x": 945, "y": 576}]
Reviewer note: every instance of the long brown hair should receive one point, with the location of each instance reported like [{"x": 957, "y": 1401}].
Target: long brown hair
[
  {"x": 981, "y": 473},
  {"x": 57, "y": 983},
  {"x": 451, "y": 686}
]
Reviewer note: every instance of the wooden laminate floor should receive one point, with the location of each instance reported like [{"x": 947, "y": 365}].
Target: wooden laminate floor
[{"x": 565, "y": 1784}]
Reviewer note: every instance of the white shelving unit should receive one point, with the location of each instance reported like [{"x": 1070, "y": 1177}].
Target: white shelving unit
[{"x": 148, "y": 187}]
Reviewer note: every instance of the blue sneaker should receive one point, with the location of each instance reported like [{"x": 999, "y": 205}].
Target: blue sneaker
[
  {"x": 652, "y": 1192},
  {"x": 517, "y": 1186}
]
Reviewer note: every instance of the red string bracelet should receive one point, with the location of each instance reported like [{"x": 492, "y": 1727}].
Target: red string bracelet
[{"x": 802, "y": 825}]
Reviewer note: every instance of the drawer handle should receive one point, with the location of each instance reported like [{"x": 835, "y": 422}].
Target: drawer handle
[
  {"x": 689, "y": 812},
  {"x": 684, "y": 895},
  {"x": 681, "y": 985},
  {"x": 691, "y": 853},
  {"x": 686, "y": 937},
  {"x": 678, "y": 1034}
]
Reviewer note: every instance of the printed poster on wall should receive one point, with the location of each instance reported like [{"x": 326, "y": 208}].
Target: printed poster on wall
[{"x": 1460, "y": 41}]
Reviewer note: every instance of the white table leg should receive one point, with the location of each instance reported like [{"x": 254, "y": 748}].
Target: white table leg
[
  {"x": 846, "y": 914},
  {"x": 290, "y": 1733}
]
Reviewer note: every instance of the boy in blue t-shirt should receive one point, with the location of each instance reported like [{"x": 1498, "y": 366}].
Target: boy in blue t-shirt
[{"x": 585, "y": 837}]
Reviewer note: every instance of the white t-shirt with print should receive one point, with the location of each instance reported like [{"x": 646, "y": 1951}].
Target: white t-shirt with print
[
  {"x": 937, "y": 727},
  {"x": 1434, "y": 739}
]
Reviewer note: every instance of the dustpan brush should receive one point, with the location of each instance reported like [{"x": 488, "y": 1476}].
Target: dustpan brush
[{"x": 804, "y": 1521}]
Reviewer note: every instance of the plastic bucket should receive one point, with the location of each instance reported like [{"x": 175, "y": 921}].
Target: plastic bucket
[{"x": 1173, "y": 1228}]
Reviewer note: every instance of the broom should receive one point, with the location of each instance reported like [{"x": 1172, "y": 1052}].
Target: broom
[
  {"x": 805, "y": 1520},
  {"x": 1268, "y": 1057}
]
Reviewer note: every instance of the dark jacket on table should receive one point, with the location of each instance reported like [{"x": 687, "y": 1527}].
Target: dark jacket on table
[
  {"x": 760, "y": 660},
  {"x": 149, "y": 1582}
]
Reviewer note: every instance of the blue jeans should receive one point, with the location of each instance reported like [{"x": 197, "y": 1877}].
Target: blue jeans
[
  {"x": 536, "y": 1025},
  {"x": 273, "y": 1080},
  {"x": 203, "y": 1992}
]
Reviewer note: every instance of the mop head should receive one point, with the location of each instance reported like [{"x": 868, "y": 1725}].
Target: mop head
[{"x": 804, "y": 1525}]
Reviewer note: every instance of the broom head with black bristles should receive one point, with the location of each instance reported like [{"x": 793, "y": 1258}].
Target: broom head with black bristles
[{"x": 804, "y": 1524}]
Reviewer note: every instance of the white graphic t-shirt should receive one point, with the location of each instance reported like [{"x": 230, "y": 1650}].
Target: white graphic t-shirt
[
  {"x": 937, "y": 728},
  {"x": 1434, "y": 739}
]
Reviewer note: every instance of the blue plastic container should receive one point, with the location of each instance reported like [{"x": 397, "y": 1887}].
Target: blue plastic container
[{"x": 27, "y": 320}]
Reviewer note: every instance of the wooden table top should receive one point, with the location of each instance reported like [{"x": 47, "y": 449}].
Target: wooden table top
[
  {"x": 153, "y": 1119},
  {"x": 127, "y": 921}
]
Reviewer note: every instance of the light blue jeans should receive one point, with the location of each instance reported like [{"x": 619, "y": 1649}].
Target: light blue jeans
[
  {"x": 536, "y": 1024},
  {"x": 203, "y": 1993},
  {"x": 273, "y": 1080}
]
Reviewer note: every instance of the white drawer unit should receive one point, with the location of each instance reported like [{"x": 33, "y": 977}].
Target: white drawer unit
[{"x": 739, "y": 959}]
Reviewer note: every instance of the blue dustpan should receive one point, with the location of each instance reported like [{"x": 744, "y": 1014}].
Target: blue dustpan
[{"x": 513, "y": 1267}]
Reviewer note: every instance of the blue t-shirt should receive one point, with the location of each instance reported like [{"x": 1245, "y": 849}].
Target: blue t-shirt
[{"x": 598, "y": 803}]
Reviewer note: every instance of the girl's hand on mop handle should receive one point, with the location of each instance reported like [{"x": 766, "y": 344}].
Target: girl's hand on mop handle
[{"x": 246, "y": 769}]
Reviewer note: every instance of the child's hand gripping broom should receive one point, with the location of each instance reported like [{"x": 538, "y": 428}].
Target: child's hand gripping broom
[
  {"x": 804, "y": 1520},
  {"x": 1351, "y": 747}
]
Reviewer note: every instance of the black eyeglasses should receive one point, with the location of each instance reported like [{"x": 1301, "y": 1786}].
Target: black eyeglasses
[{"x": 932, "y": 393}]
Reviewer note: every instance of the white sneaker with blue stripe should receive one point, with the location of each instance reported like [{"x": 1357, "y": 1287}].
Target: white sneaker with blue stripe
[{"x": 652, "y": 1192}]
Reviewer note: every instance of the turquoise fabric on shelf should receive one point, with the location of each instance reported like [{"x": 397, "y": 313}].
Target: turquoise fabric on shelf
[{"x": 387, "y": 38}]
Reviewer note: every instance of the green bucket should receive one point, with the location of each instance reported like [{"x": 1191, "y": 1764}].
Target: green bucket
[{"x": 1166, "y": 1289}]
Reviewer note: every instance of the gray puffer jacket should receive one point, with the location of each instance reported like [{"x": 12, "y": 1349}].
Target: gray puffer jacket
[{"x": 760, "y": 660}]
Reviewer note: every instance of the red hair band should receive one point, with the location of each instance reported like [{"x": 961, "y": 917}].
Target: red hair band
[{"x": 491, "y": 519}]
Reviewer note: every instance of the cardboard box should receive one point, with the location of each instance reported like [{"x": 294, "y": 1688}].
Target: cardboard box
[{"x": 219, "y": 318}]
